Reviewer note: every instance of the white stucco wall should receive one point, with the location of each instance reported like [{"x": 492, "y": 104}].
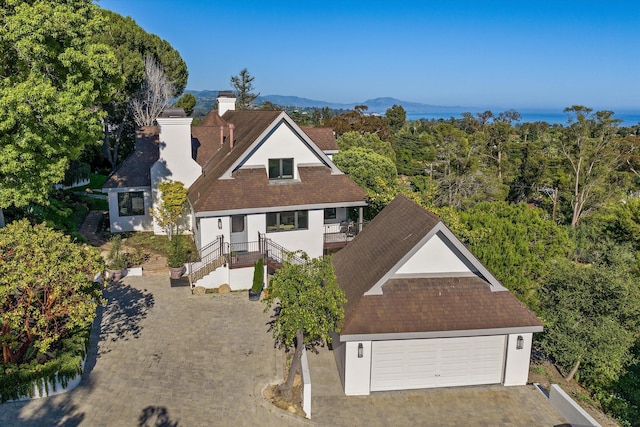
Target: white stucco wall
[
  {"x": 516, "y": 369},
  {"x": 216, "y": 278},
  {"x": 311, "y": 241},
  {"x": 283, "y": 143},
  {"x": 357, "y": 371},
  {"x": 240, "y": 278},
  {"x": 434, "y": 257},
  {"x": 339, "y": 348},
  {"x": 176, "y": 157},
  {"x": 209, "y": 231},
  {"x": 120, "y": 224}
]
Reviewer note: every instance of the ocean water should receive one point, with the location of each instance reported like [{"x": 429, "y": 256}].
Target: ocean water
[{"x": 551, "y": 117}]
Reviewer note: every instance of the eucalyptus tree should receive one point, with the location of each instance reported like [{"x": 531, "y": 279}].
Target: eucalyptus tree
[{"x": 592, "y": 150}]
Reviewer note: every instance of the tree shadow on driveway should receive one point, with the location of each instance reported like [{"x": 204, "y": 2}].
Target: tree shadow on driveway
[{"x": 121, "y": 318}]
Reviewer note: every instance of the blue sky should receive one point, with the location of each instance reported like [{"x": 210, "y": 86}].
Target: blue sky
[{"x": 501, "y": 54}]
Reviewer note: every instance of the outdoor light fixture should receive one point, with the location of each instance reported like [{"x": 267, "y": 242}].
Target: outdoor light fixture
[
  {"x": 219, "y": 223},
  {"x": 360, "y": 351},
  {"x": 519, "y": 343}
]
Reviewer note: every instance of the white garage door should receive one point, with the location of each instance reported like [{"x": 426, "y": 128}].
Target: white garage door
[{"x": 438, "y": 362}]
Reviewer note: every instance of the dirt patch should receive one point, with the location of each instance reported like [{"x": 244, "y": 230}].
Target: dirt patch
[
  {"x": 543, "y": 372},
  {"x": 293, "y": 406}
]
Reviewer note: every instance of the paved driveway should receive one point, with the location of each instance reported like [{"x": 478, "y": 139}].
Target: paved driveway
[{"x": 163, "y": 357}]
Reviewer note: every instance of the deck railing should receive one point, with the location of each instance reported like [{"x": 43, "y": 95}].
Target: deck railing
[{"x": 342, "y": 232}]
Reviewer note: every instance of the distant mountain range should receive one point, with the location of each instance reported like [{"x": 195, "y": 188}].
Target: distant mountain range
[{"x": 206, "y": 99}]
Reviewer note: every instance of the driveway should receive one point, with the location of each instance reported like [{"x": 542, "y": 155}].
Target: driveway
[{"x": 160, "y": 356}]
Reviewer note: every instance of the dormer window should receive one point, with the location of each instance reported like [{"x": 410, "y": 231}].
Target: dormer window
[{"x": 280, "y": 168}]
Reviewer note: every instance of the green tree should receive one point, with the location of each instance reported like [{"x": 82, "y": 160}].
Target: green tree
[
  {"x": 46, "y": 289},
  {"x": 357, "y": 120},
  {"x": 243, "y": 85},
  {"x": 52, "y": 78},
  {"x": 308, "y": 305},
  {"x": 591, "y": 314},
  {"x": 368, "y": 140},
  {"x": 187, "y": 102},
  {"x": 169, "y": 212},
  {"x": 375, "y": 173},
  {"x": 415, "y": 155},
  {"x": 592, "y": 150},
  {"x": 516, "y": 243},
  {"x": 397, "y": 117},
  {"x": 131, "y": 44}
]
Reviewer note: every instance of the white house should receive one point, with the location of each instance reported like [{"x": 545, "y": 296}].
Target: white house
[
  {"x": 258, "y": 184},
  {"x": 423, "y": 312}
]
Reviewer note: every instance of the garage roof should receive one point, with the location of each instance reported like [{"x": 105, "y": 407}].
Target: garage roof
[{"x": 432, "y": 306}]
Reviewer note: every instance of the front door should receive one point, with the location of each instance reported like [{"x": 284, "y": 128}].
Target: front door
[{"x": 238, "y": 236}]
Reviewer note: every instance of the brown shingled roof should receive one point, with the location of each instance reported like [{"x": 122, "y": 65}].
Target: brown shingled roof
[
  {"x": 251, "y": 188},
  {"x": 437, "y": 304},
  {"x": 393, "y": 232},
  {"x": 134, "y": 170},
  {"x": 427, "y": 304},
  {"x": 324, "y": 138}
]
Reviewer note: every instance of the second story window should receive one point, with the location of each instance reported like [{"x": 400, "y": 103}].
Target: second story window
[{"x": 280, "y": 168}]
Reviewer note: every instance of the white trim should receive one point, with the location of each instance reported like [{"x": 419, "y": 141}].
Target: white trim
[
  {"x": 440, "y": 334},
  {"x": 434, "y": 275},
  {"x": 281, "y": 118},
  {"x": 494, "y": 284},
  {"x": 126, "y": 189},
  {"x": 270, "y": 209}
]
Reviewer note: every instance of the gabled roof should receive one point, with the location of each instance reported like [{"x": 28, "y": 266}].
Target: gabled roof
[
  {"x": 250, "y": 189},
  {"x": 418, "y": 305},
  {"x": 323, "y": 137},
  {"x": 225, "y": 187},
  {"x": 134, "y": 170}
]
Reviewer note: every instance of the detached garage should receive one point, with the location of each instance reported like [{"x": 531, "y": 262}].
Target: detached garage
[{"x": 423, "y": 312}]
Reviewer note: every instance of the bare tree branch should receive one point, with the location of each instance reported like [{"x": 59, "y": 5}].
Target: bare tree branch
[{"x": 154, "y": 94}]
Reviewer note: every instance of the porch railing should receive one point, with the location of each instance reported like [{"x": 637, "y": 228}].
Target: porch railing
[
  {"x": 238, "y": 254},
  {"x": 276, "y": 253},
  {"x": 342, "y": 232},
  {"x": 211, "y": 257}
]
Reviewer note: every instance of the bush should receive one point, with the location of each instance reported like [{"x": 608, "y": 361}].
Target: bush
[
  {"x": 19, "y": 380},
  {"x": 258, "y": 276}
]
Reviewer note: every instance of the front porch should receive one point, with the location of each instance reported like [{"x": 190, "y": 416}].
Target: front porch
[
  {"x": 337, "y": 236},
  {"x": 220, "y": 254}
]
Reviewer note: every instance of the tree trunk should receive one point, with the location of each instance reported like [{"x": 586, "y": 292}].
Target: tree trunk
[
  {"x": 571, "y": 374},
  {"x": 2, "y": 224},
  {"x": 286, "y": 388}
]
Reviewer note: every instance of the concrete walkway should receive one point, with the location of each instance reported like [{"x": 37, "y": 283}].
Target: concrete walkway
[{"x": 161, "y": 356}]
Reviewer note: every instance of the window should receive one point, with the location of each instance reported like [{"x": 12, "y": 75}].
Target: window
[
  {"x": 329, "y": 213},
  {"x": 131, "y": 203},
  {"x": 237, "y": 223},
  {"x": 280, "y": 168},
  {"x": 287, "y": 221}
]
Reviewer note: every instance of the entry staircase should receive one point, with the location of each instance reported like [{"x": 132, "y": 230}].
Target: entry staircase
[{"x": 220, "y": 253}]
